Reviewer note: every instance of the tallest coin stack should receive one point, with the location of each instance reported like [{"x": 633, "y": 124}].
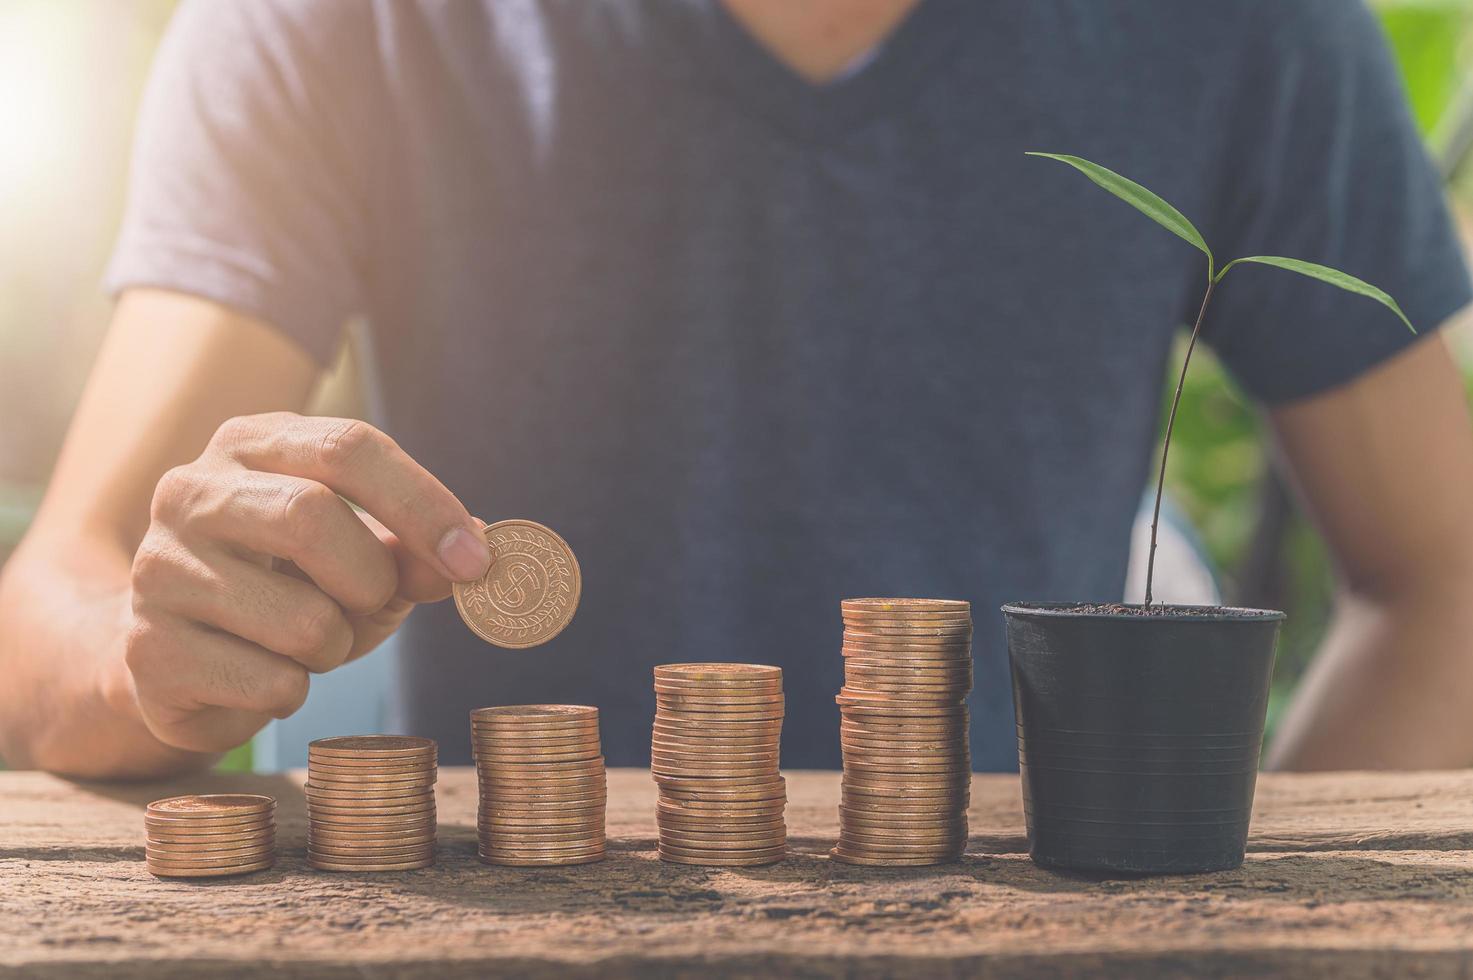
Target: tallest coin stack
[{"x": 907, "y": 762}]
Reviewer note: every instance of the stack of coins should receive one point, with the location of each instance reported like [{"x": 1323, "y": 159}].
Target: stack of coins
[
  {"x": 714, "y": 756},
  {"x": 371, "y": 803},
  {"x": 907, "y": 761},
  {"x": 210, "y": 836},
  {"x": 543, "y": 787}
]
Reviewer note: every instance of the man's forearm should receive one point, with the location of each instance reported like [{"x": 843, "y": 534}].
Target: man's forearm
[
  {"x": 67, "y": 704},
  {"x": 1391, "y": 687}
]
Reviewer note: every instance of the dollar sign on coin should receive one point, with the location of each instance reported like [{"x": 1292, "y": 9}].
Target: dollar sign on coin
[{"x": 529, "y": 593}]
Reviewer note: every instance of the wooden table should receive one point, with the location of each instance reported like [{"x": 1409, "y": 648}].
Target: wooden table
[{"x": 1349, "y": 875}]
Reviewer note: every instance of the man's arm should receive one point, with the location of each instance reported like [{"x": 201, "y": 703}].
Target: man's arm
[
  {"x": 148, "y": 620},
  {"x": 1384, "y": 466}
]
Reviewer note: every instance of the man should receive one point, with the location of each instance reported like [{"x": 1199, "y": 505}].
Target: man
[{"x": 759, "y": 304}]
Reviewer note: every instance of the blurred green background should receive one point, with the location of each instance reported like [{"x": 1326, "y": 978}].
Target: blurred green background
[
  {"x": 71, "y": 73},
  {"x": 1266, "y": 553}
]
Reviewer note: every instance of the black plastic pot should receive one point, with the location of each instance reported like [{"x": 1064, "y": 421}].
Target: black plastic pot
[{"x": 1139, "y": 736}]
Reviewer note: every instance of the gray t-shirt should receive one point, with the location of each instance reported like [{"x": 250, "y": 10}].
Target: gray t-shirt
[{"x": 753, "y": 345}]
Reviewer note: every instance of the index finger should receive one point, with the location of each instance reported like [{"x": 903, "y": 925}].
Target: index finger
[{"x": 364, "y": 465}]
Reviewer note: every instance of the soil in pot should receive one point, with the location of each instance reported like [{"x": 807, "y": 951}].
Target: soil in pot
[{"x": 1139, "y": 733}]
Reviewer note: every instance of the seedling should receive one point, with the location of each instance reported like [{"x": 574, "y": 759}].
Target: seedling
[{"x": 1174, "y": 221}]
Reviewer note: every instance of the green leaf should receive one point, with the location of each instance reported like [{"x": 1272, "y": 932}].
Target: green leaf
[
  {"x": 1139, "y": 198},
  {"x": 1324, "y": 273}
]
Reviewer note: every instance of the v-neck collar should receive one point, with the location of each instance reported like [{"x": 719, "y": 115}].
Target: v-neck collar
[{"x": 721, "y": 51}]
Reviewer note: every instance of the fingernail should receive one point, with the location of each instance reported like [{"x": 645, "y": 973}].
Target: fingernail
[{"x": 465, "y": 555}]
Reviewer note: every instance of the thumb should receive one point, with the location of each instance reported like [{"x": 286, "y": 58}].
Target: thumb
[{"x": 419, "y": 581}]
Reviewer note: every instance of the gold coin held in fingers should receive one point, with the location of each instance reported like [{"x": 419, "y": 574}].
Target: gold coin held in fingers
[{"x": 529, "y": 593}]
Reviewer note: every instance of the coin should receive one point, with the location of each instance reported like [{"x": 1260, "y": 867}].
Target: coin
[
  {"x": 553, "y": 742},
  {"x": 903, "y": 731},
  {"x": 948, "y": 648},
  {"x": 371, "y": 802},
  {"x": 718, "y": 672},
  {"x": 529, "y": 593},
  {"x": 874, "y": 690},
  {"x": 857, "y": 666},
  {"x": 765, "y": 756},
  {"x": 735, "y": 832},
  {"x": 165, "y": 838},
  {"x": 365, "y": 747},
  {"x": 223, "y": 871},
  {"x": 668, "y": 739},
  {"x": 696, "y": 769},
  {"x": 534, "y": 721},
  {"x": 370, "y": 806},
  {"x": 715, "y": 757},
  {"x": 681, "y": 804},
  {"x": 209, "y": 835},
  {"x": 765, "y": 731},
  {"x": 930, "y": 741},
  {"x": 738, "y": 714},
  {"x": 698, "y": 698},
  {"x": 384, "y": 786},
  {"x": 672, "y": 815},
  {"x": 672, "y": 842},
  {"x": 927, "y": 677},
  {"x": 898, "y": 711},
  {"x": 533, "y": 862},
  {"x": 764, "y": 761},
  {"x": 573, "y": 849},
  {"x": 357, "y": 771},
  {"x": 538, "y": 758},
  {"x": 937, "y": 854},
  {"x": 578, "y": 801},
  {"x": 866, "y": 818},
  {"x": 409, "y": 834},
  {"x": 384, "y": 796},
  {"x": 371, "y": 864},
  {"x": 730, "y": 861},
  {"x": 578, "y": 794},
  {"x": 762, "y": 794},
  {"x": 906, "y": 605},
  {"x": 540, "y": 773},
  {"x": 719, "y": 854},
  {"x": 703, "y": 689},
  {"x": 218, "y": 871},
  {"x": 556, "y": 835},
  {"x": 541, "y": 816},
  {"x": 398, "y": 850},
  {"x": 206, "y": 825},
  {"x": 542, "y": 784},
  {"x": 516, "y": 718},
  {"x": 849, "y": 857},
  {"x": 210, "y": 858},
  {"x": 676, "y": 808},
  {"x": 211, "y": 805}
]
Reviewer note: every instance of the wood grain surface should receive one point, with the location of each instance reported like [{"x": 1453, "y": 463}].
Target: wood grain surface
[{"x": 1349, "y": 875}]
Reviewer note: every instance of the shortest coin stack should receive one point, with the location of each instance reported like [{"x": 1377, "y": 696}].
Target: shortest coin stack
[
  {"x": 543, "y": 788},
  {"x": 371, "y": 803},
  {"x": 210, "y": 836},
  {"x": 714, "y": 756}
]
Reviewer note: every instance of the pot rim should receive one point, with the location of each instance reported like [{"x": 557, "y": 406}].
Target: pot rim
[{"x": 1067, "y": 610}]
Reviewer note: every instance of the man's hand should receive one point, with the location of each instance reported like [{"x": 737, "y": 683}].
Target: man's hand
[
  {"x": 193, "y": 563},
  {"x": 255, "y": 573}
]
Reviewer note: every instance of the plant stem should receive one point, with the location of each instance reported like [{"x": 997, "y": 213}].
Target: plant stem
[{"x": 1166, "y": 445}]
